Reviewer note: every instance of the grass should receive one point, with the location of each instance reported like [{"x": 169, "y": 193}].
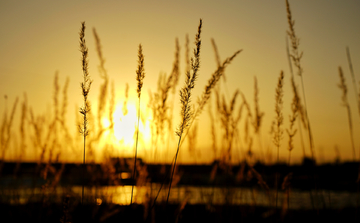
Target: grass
[
  {"x": 278, "y": 131},
  {"x": 5, "y": 132},
  {"x": 295, "y": 106},
  {"x": 353, "y": 77},
  {"x": 345, "y": 103},
  {"x": 185, "y": 99},
  {"x": 140, "y": 75},
  {"x": 85, "y": 87},
  {"x": 232, "y": 118},
  {"x": 296, "y": 56}
]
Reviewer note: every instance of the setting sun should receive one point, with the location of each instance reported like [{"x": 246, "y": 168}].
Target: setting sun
[
  {"x": 180, "y": 111},
  {"x": 125, "y": 124}
]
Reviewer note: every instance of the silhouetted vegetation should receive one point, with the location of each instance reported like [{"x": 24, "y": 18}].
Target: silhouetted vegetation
[{"x": 240, "y": 184}]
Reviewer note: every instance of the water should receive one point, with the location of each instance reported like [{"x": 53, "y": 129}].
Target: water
[{"x": 190, "y": 194}]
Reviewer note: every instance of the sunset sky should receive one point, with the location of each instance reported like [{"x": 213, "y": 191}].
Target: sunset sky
[{"x": 39, "y": 38}]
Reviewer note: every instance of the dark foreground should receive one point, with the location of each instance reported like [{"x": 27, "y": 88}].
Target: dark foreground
[
  {"x": 306, "y": 176},
  {"x": 40, "y": 212}
]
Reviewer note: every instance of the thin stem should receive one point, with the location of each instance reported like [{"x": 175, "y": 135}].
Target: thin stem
[
  {"x": 308, "y": 121},
  {"x": 352, "y": 75},
  {"x": 140, "y": 74},
  {"x": 351, "y": 132},
  {"x": 292, "y": 75},
  {"x": 137, "y": 139},
  {"x": 173, "y": 170},
  {"x": 276, "y": 180},
  {"x": 82, "y": 194},
  {"x": 85, "y": 87}
]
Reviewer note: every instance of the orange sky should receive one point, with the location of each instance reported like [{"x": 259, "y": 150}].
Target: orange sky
[{"x": 39, "y": 38}]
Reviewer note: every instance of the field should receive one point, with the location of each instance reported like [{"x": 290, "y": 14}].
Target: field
[{"x": 135, "y": 171}]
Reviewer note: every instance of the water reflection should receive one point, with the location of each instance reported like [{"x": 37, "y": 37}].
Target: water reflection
[{"x": 193, "y": 195}]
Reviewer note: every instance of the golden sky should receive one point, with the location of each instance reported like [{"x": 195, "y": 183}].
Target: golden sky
[{"x": 39, "y": 38}]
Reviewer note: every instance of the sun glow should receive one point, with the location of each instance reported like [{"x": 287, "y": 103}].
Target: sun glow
[{"x": 125, "y": 125}]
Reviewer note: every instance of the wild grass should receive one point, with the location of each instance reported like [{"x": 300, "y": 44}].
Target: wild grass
[
  {"x": 215, "y": 77},
  {"x": 159, "y": 103},
  {"x": 258, "y": 118},
  {"x": 352, "y": 76},
  {"x": 296, "y": 95},
  {"x": 295, "y": 106},
  {"x": 248, "y": 123},
  {"x": 345, "y": 103},
  {"x": 23, "y": 135},
  {"x": 5, "y": 131},
  {"x": 185, "y": 99},
  {"x": 279, "y": 118},
  {"x": 229, "y": 124},
  {"x": 174, "y": 78},
  {"x": 213, "y": 131},
  {"x": 104, "y": 86},
  {"x": 356, "y": 91},
  {"x": 192, "y": 139},
  {"x": 49, "y": 133},
  {"x": 85, "y": 87},
  {"x": 140, "y": 75},
  {"x": 296, "y": 56}
]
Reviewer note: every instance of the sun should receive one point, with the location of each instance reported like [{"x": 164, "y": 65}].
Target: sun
[{"x": 125, "y": 125}]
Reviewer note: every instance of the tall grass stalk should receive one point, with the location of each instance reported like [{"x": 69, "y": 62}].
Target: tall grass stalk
[
  {"x": 185, "y": 99},
  {"x": 111, "y": 107},
  {"x": 175, "y": 74},
  {"x": 291, "y": 133},
  {"x": 345, "y": 103},
  {"x": 213, "y": 131},
  {"x": 218, "y": 63},
  {"x": 248, "y": 121},
  {"x": 296, "y": 94},
  {"x": 353, "y": 77},
  {"x": 5, "y": 131},
  {"x": 357, "y": 96},
  {"x": 192, "y": 139},
  {"x": 296, "y": 56},
  {"x": 295, "y": 104},
  {"x": 55, "y": 138},
  {"x": 159, "y": 103},
  {"x": 140, "y": 74},
  {"x": 258, "y": 116},
  {"x": 278, "y": 131},
  {"x": 217, "y": 56},
  {"x": 214, "y": 79},
  {"x": 22, "y": 134},
  {"x": 104, "y": 86},
  {"x": 229, "y": 124},
  {"x": 85, "y": 87}
]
